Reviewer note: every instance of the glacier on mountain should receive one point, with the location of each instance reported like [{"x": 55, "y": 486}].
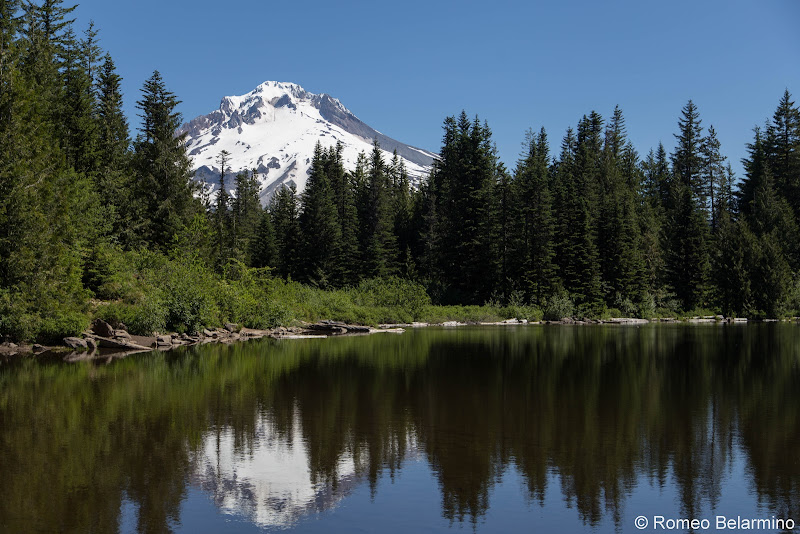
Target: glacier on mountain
[{"x": 274, "y": 128}]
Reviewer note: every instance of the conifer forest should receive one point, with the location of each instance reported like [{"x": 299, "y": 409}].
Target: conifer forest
[{"x": 102, "y": 218}]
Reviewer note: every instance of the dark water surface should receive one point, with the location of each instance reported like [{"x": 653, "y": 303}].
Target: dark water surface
[{"x": 490, "y": 429}]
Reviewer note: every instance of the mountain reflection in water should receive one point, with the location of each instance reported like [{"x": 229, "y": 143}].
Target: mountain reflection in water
[{"x": 275, "y": 432}]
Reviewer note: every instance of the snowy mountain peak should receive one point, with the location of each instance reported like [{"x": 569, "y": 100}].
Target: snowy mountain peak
[{"x": 274, "y": 129}]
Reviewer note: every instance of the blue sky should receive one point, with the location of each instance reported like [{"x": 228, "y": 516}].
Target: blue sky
[{"x": 402, "y": 67}]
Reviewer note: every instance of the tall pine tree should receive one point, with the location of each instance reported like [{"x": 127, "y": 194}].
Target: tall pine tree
[
  {"x": 164, "y": 189},
  {"x": 533, "y": 255},
  {"x": 687, "y": 227},
  {"x": 319, "y": 226}
]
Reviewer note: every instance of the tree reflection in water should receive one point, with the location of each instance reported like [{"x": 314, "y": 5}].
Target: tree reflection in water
[{"x": 278, "y": 430}]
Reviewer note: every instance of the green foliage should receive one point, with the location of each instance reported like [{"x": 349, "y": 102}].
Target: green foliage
[
  {"x": 42, "y": 317},
  {"x": 378, "y": 241},
  {"x": 188, "y": 296},
  {"x": 284, "y": 211},
  {"x": 557, "y": 307},
  {"x": 529, "y": 230},
  {"x": 646, "y": 306},
  {"x": 462, "y": 187},
  {"x": 319, "y": 225},
  {"x": 162, "y": 195},
  {"x": 245, "y": 298},
  {"x": 148, "y": 315},
  {"x": 83, "y": 214},
  {"x": 263, "y": 247},
  {"x": 520, "y": 311},
  {"x": 393, "y": 292},
  {"x": 247, "y": 215}
]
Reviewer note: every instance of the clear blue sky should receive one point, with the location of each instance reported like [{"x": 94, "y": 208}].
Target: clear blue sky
[{"x": 402, "y": 67}]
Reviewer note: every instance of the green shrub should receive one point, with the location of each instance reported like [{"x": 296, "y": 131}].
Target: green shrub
[
  {"x": 148, "y": 315},
  {"x": 646, "y": 307},
  {"x": 16, "y": 320},
  {"x": 60, "y": 324},
  {"x": 247, "y": 302},
  {"x": 44, "y": 317},
  {"x": 408, "y": 297},
  {"x": 557, "y": 307},
  {"x": 531, "y": 313}
]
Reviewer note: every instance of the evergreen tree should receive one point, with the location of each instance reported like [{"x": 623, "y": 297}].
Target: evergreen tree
[
  {"x": 264, "y": 246},
  {"x": 164, "y": 189},
  {"x": 783, "y": 150},
  {"x": 427, "y": 232},
  {"x": 687, "y": 229},
  {"x": 113, "y": 178},
  {"x": 656, "y": 187},
  {"x": 379, "y": 244},
  {"x": 734, "y": 249},
  {"x": 91, "y": 53},
  {"x": 755, "y": 167},
  {"x": 247, "y": 214},
  {"x": 10, "y": 22},
  {"x": 222, "y": 215},
  {"x": 319, "y": 226},
  {"x": 618, "y": 238},
  {"x": 344, "y": 198},
  {"x": 652, "y": 217},
  {"x": 727, "y": 198},
  {"x": 464, "y": 181},
  {"x": 687, "y": 160},
  {"x": 284, "y": 210},
  {"x": 771, "y": 277},
  {"x": 713, "y": 173},
  {"x": 631, "y": 282},
  {"x": 771, "y": 215},
  {"x": 78, "y": 121},
  {"x": 360, "y": 186},
  {"x": 114, "y": 138},
  {"x": 47, "y": 38},
  {"x": 402, "y": 213},
  {"x": 509, "y": 246},
  {"x": 47, "y": 211},
  {"x": 534, "y": 254},
  {"x": 576, "y": 180}
]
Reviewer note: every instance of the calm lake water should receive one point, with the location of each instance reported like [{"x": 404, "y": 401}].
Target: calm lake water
[{"x": 491, "y": 429}]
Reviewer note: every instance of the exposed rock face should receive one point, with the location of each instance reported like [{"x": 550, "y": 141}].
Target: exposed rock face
[
  {"x": 118, "y": 344},
  {"x": 102, "y": 328},
  {"x": 75, "y": 342}
]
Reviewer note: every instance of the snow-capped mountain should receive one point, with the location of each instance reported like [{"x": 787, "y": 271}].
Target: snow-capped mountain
[{"x": 274, "y": 129}]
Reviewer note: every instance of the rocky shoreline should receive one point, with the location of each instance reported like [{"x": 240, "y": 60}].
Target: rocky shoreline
[{"x": 103, "y": 341}]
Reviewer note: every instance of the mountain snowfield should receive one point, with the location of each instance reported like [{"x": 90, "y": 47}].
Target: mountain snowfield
[{"x": 274, "y": 130}]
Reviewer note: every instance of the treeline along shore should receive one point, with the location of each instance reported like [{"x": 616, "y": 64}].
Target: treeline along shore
[{"x": 95, "y": 224}]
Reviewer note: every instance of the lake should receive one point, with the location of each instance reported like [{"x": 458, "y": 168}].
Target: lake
[{"x": 471, "y": 429}]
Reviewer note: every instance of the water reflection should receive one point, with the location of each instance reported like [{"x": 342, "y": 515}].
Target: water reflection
[
  {"x": 268, "y": 481},
  {"x": 278, "y": 431}
]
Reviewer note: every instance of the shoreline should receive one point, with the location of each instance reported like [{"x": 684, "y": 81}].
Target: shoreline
[{"x": 103, "y": 342}]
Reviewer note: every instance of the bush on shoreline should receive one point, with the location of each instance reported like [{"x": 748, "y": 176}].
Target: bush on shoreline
[{"x": 150, "y": 292}]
